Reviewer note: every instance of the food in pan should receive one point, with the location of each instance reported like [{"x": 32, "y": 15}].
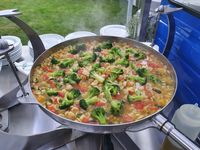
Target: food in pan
[{"x": 102, "y": 83}]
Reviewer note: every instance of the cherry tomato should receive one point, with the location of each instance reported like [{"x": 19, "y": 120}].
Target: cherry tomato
[
  {"x": 61, "y": 94},
  {"x": 100, "y": 103}
]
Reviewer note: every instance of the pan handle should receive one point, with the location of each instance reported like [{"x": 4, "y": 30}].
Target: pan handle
[{"x": 169, "y": 129}]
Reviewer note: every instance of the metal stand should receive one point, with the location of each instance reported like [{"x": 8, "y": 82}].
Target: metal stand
[{"x": 171, "y": 26}]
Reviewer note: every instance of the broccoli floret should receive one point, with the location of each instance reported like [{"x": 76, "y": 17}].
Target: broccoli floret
[
  {"x": 78, "y": 48},
  {"x": 99, "y": 114},
  {"x": 140, "y": 55},
  {"x": 58, "y": 73},
  {"x": 133, "y": 66},
  {"x": 117, "y": 71},
  {"x": 87, "y": 58},
  {"x": 135, "y": 98},
  {"x": 52, "y": 93},
  {"x": 66, "y": 104},
  {"x": 116, "y": 51},
  {"x": 153, "y": 78},
  {"x": 110, "y": 58},
  {"x": 115, "y": 74},
  {"x": 54, "y": 61},
  {"x": 67, "y": 63},
  {"x": 96, "y": 66},
  {"x": 92, "y": 94},
  {"x": 142, "y": 72},
  {"x": 97, "y": 49},
  {"x": 73, "y": 94},
  {"x": 112, "y": 77},
  {"x": 84, "y": 103},
  {"x": 72, "y": 78},
  {"x": 110, "y": 90},
  {"x": 141, "y": 80},
  {"x": 124, "y": 61},
  {"x": 130, "y": 51},
  {"x": 116, "y": 107},
  {"x": 106, "y": 45},
  {"x": 93, "y": 91},
  {"x": 99, "y": 78}
]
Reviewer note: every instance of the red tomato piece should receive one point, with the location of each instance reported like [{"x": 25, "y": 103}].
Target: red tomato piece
[
  {"x": 138, "y": 105},
  {"x": 61, "y": 94},
  {"x": 80, "y": 71},
  {"x": 70, "y": 55},
  {"x": 131, "y": 92},
  {"x": 153, "y": 65},
  {"x": 119, "y": 96},
  {"x": 46, "y": 68},
  {"x": 51, "y": 108},
  {"x": 120, "y": 78},
  {"x": 55, "y": 100},
  {"x": 45, "y": 77},
  {"x": 127, "y": 118},
  {"x": 100, "y": 103},
  {"x": 52, "y": 83},
  {"x": 85, "y": 119}
]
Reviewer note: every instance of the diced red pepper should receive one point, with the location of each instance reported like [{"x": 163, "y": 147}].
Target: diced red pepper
[
  {"x": 61, "y": 94},
  {"x": 100, "y": 103},
  {"x": 80, "y": 71},
  {"x": 82, "y": 87}
]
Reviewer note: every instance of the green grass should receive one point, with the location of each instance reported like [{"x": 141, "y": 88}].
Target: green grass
[{"x": 63, "y": 16}]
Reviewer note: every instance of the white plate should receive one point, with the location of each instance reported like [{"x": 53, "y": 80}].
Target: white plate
[
  {"x": 79, "y": 34},
  {"x": 114, "y": 30},
  {"x": 13, "y": 40},
  {"x": 49, "y": 40}
]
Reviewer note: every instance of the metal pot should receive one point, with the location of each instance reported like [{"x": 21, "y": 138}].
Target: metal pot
[{"x": 154, "y": 120}]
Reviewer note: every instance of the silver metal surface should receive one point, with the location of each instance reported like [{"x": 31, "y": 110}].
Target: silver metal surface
[
  {"x": 113, "y": 128},
  {"x": 4, "y": 120},
  {"x": 170, "y": 130}
]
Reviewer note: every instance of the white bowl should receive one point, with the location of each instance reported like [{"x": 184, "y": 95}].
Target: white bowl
[
  {"x": 114, "y": 30},
  {"x": 79, "y": 34}
]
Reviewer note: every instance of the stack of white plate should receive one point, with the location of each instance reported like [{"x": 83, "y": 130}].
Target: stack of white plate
[
  {"x": 16, "y": 53},
  {"x": 49, "y": 40},
  {"x": 79, "y": 34}
]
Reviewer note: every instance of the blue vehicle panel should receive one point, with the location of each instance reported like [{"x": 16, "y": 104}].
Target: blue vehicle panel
[{"x": 184, "y": 54}]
